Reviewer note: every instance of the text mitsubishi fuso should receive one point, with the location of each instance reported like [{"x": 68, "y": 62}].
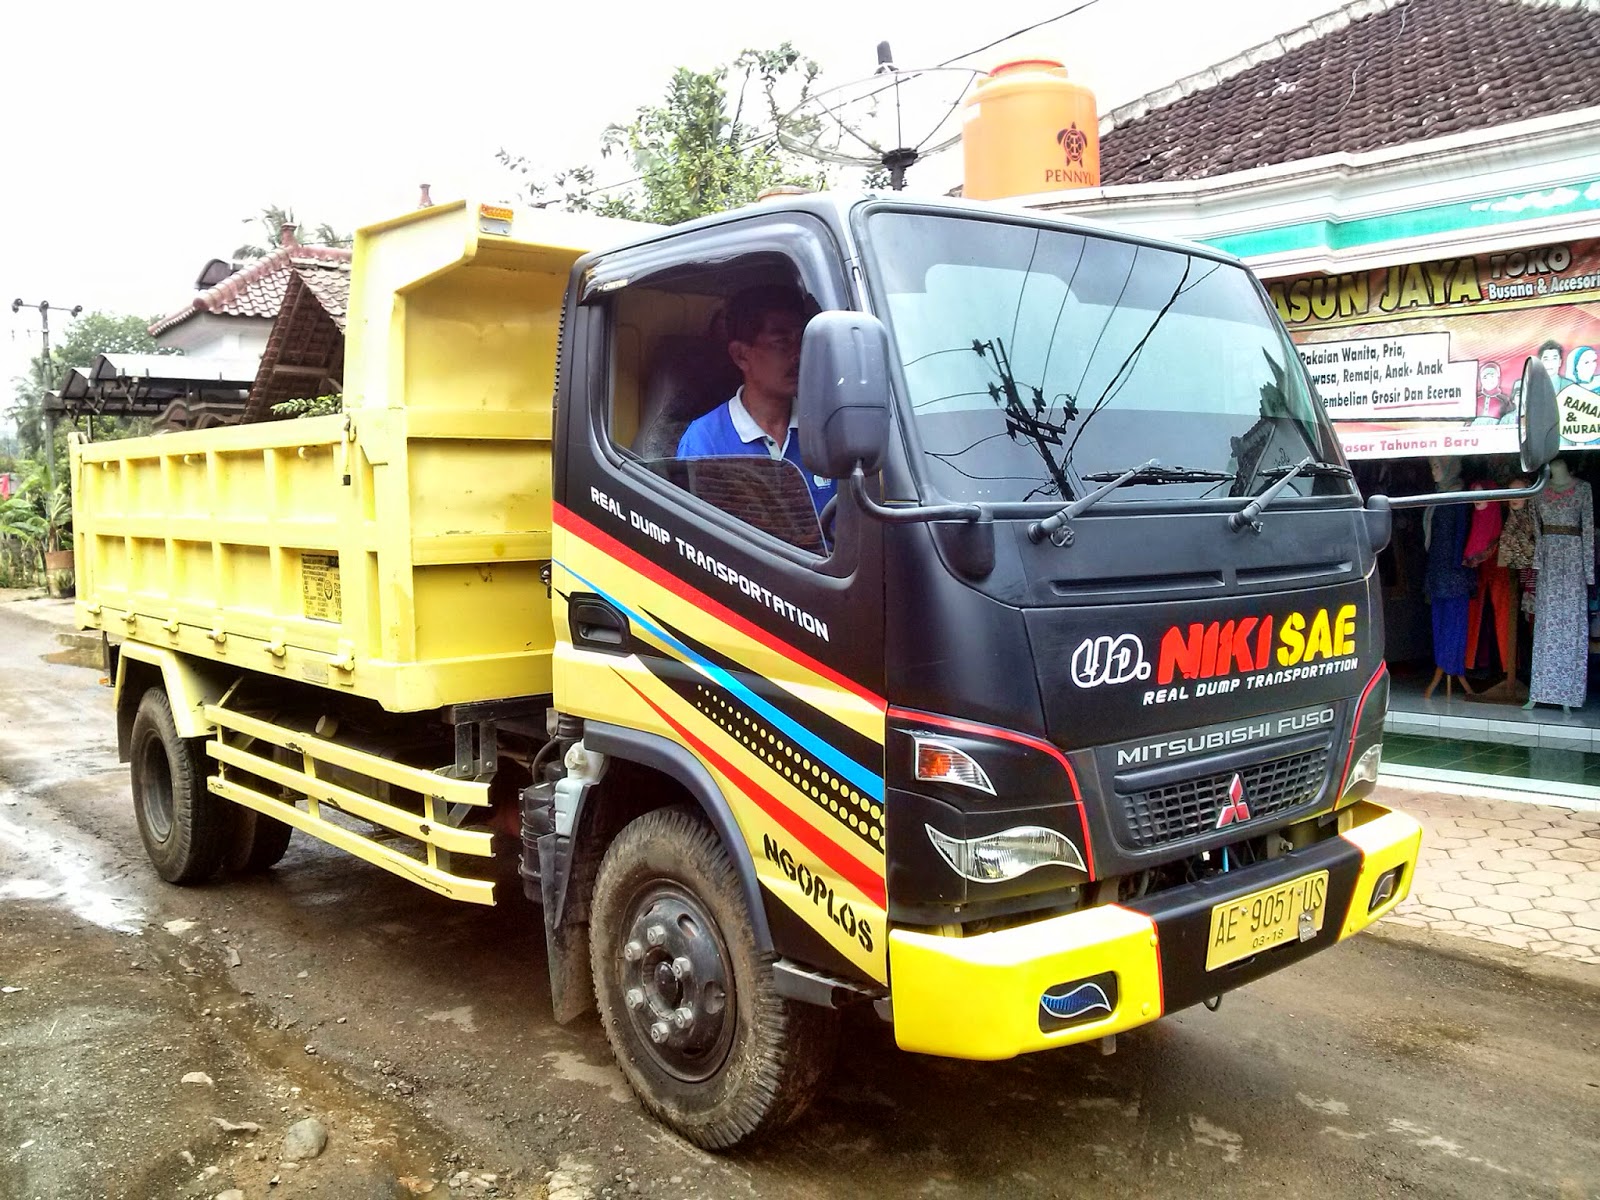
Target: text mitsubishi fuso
[{"x": 1062, "y": 715}]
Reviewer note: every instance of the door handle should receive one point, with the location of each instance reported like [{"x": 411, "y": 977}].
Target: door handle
[{"x": 597, "y": 625}]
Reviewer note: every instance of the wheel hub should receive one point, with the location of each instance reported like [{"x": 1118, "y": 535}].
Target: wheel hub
[
  {"x": 156, "y": 791},
  {"x": 675, "y": 983}
]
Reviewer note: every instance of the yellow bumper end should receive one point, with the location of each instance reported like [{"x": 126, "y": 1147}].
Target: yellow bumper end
[
  {"x": 978, "y": 997},
  {"x": 1386, "y": 840}
]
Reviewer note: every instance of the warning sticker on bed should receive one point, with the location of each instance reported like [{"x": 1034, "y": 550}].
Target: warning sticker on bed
[{"x": 319, "y": 586}]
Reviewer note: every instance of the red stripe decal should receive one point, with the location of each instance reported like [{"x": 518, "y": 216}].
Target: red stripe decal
[
  {"x": 604, "y": 542},
  {"x": 1021, "y": 739},
  {"x": 836, "y": 857},
  {"x": 1355, "y": 726},
  {"x": 1161, "y": 974}
]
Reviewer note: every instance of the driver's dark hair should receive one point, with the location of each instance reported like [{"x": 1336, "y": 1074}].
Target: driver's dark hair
[
  {"x": 1552, "y": 344},
  {"x": 747, "y": 310}
]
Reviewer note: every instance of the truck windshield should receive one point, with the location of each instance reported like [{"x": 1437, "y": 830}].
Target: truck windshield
[{"x": 1038, "y": 359}]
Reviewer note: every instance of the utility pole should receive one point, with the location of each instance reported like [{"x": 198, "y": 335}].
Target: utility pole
[{"x": 45, "y": 308}]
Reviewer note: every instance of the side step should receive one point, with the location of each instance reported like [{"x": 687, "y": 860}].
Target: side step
[{"x": 237, "y": 733}]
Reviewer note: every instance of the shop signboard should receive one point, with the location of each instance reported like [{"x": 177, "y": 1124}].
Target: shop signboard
[{"x": 1425, "y": 358}]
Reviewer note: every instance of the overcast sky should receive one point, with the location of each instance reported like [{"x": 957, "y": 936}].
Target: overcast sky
[{"x": 136, "y": 139}]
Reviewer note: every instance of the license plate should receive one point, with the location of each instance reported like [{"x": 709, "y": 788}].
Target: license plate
[{"x": 1268, "y": 918}]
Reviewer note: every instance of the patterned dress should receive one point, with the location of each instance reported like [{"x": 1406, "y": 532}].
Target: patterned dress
[
  {"x": 1563, "y": 556},
  {"x": 1516, "y": 550}
]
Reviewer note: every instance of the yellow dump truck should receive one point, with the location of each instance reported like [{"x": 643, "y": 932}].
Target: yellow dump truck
[{"x": 962, "y": 704}]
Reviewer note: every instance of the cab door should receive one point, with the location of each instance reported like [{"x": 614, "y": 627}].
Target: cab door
[{"x": 699, "y": 601}]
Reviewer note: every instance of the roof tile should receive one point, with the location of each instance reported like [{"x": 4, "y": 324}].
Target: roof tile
[
  {"x": 258, "y": 289},
  {"x": 1376, "y": 73}
]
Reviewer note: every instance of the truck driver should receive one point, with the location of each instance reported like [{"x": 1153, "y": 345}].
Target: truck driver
[{"x": 764, "y": 325}]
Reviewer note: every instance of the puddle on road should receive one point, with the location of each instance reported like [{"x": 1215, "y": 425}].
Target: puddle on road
[
  {"x": 52, "y": 869},
  {"x": 79, "y": 650}
]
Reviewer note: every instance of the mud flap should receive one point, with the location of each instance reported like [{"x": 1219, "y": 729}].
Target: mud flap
[{"x": 566, "y": 931}]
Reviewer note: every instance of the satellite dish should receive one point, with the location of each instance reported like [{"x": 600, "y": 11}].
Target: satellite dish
[{"x": 891, "y": 119}]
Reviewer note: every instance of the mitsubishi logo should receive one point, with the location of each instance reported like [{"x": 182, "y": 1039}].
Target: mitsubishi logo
[{"x": 1236, "y": 809}]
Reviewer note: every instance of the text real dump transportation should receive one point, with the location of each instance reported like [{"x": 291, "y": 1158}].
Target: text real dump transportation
[{"x": 1062, "y": 717}]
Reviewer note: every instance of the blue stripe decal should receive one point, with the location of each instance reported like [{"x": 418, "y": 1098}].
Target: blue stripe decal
[
  {"x": 845, "y": 767},
  {"x": 1080, "y": 1001}
]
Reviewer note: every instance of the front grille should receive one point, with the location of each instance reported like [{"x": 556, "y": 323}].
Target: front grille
[{"x": 1191, "y": 808}]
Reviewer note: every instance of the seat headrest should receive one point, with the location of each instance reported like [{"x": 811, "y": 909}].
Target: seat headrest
[{"x": 689, "y": 376}]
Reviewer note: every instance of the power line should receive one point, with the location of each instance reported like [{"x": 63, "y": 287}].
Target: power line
[
  {"x": 762, "y": 135},
  {"x": 1018, "y": 33}
]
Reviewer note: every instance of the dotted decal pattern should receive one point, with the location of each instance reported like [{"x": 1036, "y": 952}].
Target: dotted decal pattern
[{"x": 833, "y": 795}]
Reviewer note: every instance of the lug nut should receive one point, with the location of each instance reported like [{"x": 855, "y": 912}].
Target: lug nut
[
  {"x": 659, "y": 1032},
  {"x": 657, "y": 934},
  {"x": 681, "y": 968},
  {"x": 633, "y": 952},
  {"x": 635, "y": 998},
  {"x": 683, "y": 1018}
]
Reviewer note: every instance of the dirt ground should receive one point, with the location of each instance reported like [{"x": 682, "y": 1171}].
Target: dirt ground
[{"x": 418, "y": 1033}]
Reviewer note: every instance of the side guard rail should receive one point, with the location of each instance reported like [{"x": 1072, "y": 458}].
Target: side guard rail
[{"x": 235, "y": 750}]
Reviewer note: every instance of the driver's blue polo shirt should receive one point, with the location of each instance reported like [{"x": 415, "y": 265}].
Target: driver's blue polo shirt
[{"x": 729, "y": 431}]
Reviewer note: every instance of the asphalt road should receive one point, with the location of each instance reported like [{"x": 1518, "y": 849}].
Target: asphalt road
[{"x": 1381, "y": 1068}]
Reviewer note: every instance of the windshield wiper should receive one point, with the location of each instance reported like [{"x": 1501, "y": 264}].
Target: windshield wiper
[
  {"x": 1310, "y": 467},
  {"x": 1159, "y": 474},
  {"x": 1055, "y": 527},
  {"x": 1152, "y": 472},
  {"x": 1250, "y": 514}
]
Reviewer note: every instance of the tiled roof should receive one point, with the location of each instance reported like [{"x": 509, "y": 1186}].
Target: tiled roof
[
  {"x": 1376, "y": 73},
  {"x": 304, "y": 357},
  {"x": 258, "y": 289}
]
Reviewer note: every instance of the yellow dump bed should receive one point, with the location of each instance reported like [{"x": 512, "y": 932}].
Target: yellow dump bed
[{"x": 395, "y": 550}]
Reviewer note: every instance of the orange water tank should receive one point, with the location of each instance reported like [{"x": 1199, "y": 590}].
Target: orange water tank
[{"x": 1026, "y": 129}]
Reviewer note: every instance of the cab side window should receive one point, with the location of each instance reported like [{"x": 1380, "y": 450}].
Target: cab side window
[{"x": 686, "y": 351}]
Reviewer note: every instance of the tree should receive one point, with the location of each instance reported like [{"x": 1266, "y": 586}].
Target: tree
[
  {"x": 272, "y": 220},
  {"x": 91, "y": 334},
  {"x": 38, "y": 518},
  {"x": 710, "y": 145}
]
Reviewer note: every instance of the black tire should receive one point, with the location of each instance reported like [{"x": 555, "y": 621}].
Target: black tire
[
  {"x": 183, "y": 826},
  {"x": 667, "y": 894},
  {"x": 256, "y": 842}
]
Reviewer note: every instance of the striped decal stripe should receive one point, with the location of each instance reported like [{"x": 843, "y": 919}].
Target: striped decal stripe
[
  {"x": 842, "y": 764},
  {"x": 840, "y": 861},
  {"x": 572, "y": 523}
]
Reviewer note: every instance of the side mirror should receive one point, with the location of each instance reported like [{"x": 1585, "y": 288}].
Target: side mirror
[
  {"x": 1538, "y": 418},
  {"x": 844, "y": 394}
]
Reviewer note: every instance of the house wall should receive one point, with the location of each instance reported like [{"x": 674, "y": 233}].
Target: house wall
[{"x": 206, "y": 335}]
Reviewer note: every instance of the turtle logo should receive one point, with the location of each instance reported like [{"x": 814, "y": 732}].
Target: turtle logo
[{"x": 1073, "y": 141}]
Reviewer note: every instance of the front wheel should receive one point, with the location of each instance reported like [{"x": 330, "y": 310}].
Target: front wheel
[{"x": 687, "y": 1001}]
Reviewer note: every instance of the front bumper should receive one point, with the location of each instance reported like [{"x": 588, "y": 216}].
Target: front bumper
[{"x": 980, "y": 997}]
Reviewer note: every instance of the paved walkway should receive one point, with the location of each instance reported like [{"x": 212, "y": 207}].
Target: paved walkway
[
  {"x": 1518, "y": 875},
  {"x": 1514, "y": 874}
]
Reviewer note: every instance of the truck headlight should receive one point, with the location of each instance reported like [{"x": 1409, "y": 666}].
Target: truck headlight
[
  {"x": 1366, "y": 768},
  {"x": 996, "y": 857}
]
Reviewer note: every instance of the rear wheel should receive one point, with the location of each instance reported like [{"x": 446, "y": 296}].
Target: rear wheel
[
  {"x": 182, "y": 825},
  {"x": 256, "y": 842},
  {"x": 687, "y": 1000}
]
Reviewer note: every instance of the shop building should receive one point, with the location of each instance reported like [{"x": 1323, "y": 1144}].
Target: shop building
[{"x": 1417, "y": 184}]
